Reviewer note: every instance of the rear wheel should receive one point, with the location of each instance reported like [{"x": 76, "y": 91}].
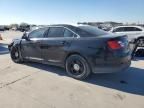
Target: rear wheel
[
  {"x": 15, "y": 55},
  {"x": 77, "y": 67}
]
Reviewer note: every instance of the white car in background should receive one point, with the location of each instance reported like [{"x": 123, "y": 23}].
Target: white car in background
[{"x": 135, "y": 33}]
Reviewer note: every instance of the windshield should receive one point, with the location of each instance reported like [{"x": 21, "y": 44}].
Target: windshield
[{"x": 90, "y": 31}]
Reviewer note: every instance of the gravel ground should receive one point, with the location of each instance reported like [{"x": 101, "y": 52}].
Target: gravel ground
[{"x": 33, "y": 85}]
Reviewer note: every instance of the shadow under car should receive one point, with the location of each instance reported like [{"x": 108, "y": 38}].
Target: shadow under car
[{"x": 130, "y": 81}]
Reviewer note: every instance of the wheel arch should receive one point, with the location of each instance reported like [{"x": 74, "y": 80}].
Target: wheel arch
[
  {"x": 136, "y": 39},
  {"x": 72, "y": 53},
  {"x": 140, "y": 37},
  {"x": 18, "y": 46}
]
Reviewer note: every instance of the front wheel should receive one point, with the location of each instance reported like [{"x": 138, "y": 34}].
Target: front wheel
[
  {"x": 77, "y": 67},
  {"x": 15, "y": 55}
]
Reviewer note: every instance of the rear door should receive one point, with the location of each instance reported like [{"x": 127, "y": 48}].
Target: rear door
[
  {"x": 56, "y": 43},
  {"x": 31, "y": 48}
]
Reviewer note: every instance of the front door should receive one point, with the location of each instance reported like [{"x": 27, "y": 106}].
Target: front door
[
  {"x": 31, "y": 48},
  {"x": 55, "y": 45}
]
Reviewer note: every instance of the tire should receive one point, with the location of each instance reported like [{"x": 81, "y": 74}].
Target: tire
[
  {"x": 77, "y": 67},
  {"x": 140, "y": 42},
  {"x": 15, "y": 55}
]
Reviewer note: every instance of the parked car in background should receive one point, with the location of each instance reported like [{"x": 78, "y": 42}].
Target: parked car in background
[
  {"x": 24, "y": 28},
  {"x": 81, "y": 50},
  {"x": 2, "y": 28},
  {"x": 6, "y": 27},
  {"x": 135, "y": 33},
  {"x": 14, "y": 28},
  {"x": 36, "y": 27}
]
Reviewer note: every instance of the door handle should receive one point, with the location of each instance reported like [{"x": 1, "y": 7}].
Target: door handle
[
  {"x": 38, "y": 42},
  {"x": 64, "y": 42}
]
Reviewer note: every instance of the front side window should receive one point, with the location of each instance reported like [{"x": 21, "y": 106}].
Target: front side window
[
  {"x": 39, "y": 33},
  {"x": 68, "y": 33},
  {"x": 121, "y": 29},
  {"x": 56, "y": 32}
]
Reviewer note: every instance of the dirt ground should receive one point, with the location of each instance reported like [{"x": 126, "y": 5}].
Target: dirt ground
[{"x": 32, "y": 85}]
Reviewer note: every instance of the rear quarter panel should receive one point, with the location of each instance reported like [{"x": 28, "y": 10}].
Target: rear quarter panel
[
  {"x": 90, "y": 48},
  {"x": 96, "y": 50}
]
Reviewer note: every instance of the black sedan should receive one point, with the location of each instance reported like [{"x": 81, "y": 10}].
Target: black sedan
[{"x": 81, "y": 50}]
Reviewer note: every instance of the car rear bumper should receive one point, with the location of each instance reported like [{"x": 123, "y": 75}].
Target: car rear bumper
[{"x": 112, "y": 67}]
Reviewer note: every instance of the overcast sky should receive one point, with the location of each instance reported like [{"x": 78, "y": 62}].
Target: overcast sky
[{"x": 70, "y": 11}]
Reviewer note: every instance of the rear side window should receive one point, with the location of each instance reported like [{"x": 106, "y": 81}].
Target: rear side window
[
  {"x": 129, "y": 29},
  {"x": 90, "y": 31},
  {"x": 68, "y": 33},
  {"x": 39, "y": 33},
  {"x": 56, "y": 32},
  {"x": 137, "y": 29}
]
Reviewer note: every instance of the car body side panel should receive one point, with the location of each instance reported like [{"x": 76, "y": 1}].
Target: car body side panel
[
  {"x": 30, "y": 49},
  {"x": 98, "y": 56},
  {"x": 54, "y": 50},
  {"x": 89, "y": 48}
]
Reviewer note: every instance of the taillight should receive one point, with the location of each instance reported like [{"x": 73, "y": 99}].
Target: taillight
[{"x": 114, "y": 44}]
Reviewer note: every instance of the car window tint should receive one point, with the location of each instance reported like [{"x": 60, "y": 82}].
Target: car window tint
[
  {"x": 39, "y": 33},
  {"x": 132, "y": 29},
  {"x": 121, "y": 29},
  {"x": 129, "y": 29},
  {"x": 56, "y": 32},
  {"x": 137, "y": 29},
  {"x": 90, "y": 31},
  {"x": 68, "y": 33}
]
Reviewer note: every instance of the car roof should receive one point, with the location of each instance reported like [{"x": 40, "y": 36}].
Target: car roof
[
  {"x": 130, "y": 26},
  {"x": 62, "y": 25}
]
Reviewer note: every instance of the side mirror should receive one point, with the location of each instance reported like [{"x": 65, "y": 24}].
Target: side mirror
[{"x": 25, "y": 36}]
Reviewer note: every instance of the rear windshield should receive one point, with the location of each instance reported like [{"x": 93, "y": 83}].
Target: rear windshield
[{"x": 90, "y": 31}]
